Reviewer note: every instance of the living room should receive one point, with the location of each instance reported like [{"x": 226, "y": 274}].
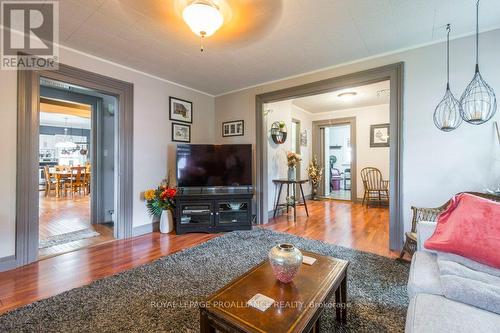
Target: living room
[{"x": 179, "y": 87}]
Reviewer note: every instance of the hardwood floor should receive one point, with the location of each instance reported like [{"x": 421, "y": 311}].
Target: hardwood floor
[
  {"x": 67, "y": 214},
  {"x": 336, "y": 222},
  {"x": 341, "y": 223}
]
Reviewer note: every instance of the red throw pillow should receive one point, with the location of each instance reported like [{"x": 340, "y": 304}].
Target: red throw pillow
[{"x": 470, "y": 227}]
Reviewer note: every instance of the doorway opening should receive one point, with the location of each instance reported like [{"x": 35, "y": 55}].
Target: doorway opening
[
  {"x": 76, "y": 167},
  {"x": 337, "y": 150},
  {"x": 88, "y": 93},
  {"x": 392, "y": 76}
]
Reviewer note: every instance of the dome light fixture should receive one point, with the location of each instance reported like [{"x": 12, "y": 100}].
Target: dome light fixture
[
  {"x": 348, "y": 95},
  {"x": 203, "y": 17}
]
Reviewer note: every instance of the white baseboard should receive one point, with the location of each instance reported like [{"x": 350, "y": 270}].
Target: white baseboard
[
  {"x": 145, "y": 229},
  {"x": 8, "y": 263}
]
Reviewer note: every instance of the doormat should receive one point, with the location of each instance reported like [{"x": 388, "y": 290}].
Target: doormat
[{"x": 67, "y": 238}]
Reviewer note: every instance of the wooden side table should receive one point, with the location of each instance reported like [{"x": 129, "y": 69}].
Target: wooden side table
[
  {"x": 280, "y": 183},
  {"x": 298, "y": 305}
]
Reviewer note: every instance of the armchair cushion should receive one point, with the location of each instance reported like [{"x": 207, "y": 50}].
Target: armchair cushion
[{"x": 469, "y": 227}]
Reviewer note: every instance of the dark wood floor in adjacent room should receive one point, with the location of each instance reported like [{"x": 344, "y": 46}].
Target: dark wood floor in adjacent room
[{"x": 336, "y": 222}]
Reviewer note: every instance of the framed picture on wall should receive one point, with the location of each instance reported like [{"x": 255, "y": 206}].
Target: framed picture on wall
[
  {"x": 379, "y": 135},
  {"x": 303, "y": 138},
  {"x": 233, "y": 128},
  {"x": 181, "y": 132},
  {"x": 181, "y": 110}
]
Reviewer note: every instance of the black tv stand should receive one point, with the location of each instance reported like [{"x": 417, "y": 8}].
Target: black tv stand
[{"x": 213, "y": 210}]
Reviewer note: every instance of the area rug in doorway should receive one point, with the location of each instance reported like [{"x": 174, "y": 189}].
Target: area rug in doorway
[
  {"x": 158, "y": 297},
  {"x": 67, "y": 238}
]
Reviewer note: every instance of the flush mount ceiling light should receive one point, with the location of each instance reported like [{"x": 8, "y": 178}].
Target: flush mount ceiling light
[
  {"x": 347, "y": 95},
  {"x": 203, "y": 17}
]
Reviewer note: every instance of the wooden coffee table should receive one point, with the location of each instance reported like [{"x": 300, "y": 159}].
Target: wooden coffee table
[{"x": 298, "y": 305}]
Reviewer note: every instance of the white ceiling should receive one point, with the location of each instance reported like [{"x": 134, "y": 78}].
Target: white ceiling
[
  {"x": 366, "y": 95},
  {"x": 262, "y": 40},
  {"x": 64, "y": 120}
]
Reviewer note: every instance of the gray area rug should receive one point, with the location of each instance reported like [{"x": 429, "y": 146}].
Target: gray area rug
[
  {"x": 67, "y": 238},
  {"x": 157, "y": 297}
]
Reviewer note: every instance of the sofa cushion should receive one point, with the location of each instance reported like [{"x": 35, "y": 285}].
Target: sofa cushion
[
  {"x": 476, "y": 293},
  {"x": 469, "y": 227},
  {"x": 432, "y": 313},
  {"x": 474, "y": 265},
  {"x": 424, "y": 275}
]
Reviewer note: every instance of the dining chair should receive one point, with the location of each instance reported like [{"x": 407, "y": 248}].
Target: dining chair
[
  {"x": 335, "y": 178},
  {"x": 87, "y": 177},
  {"x": 63, "y": 179},
  {"x": 50, "y": 182},
  {"x": 76, "y": 181},
  {"x": 376, "y": 188},
  {"x": 347, "y": 179}
]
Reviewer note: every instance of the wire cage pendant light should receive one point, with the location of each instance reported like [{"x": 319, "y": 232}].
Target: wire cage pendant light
[
  {"x": 478, "y": 101},
  {"x": 447, "y": 115}
]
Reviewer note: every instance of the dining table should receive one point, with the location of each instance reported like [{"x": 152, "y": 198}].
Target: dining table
[{"x": 64, "y": 174}]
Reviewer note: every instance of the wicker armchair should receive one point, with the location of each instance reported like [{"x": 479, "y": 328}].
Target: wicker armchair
[{"x": 430, "y": 214}]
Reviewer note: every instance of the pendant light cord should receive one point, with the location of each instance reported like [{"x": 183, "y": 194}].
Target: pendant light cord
[
  {"x": 448, "y": 29},
  {"x": 477, "y": 36}
]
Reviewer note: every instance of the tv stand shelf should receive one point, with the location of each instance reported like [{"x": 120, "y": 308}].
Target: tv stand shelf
[{"x": 213, "y": 211}]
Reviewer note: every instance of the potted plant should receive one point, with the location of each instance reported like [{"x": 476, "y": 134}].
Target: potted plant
[
  {"x": 160, "y": 203},
  {"x": 315, "y": 172},
  {"x": 292, "y": 160}
]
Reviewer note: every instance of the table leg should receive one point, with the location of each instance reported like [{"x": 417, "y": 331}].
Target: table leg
[
  {"x": 287, "y": 196},
  {"x": 341, "y": 301},
  {"x": 343, "y": 296},
  {"x": 315, "y": 328},
  {"x": 304, "y": 198},
  {"x": 338, "y": 312},
  {"x": 294, "y": 203},
  {"x": 205, "y": 326},
  {"x": 57, "y": 186},
  {"x": 277, "y": 200}
]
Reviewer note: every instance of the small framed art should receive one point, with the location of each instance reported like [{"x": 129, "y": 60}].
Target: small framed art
[
  {"x": 233, "y": 128},
  {"x": 303, "y": 138},
  {"x": 181, "y": 132},
  {"x": 181, "y": 110},
  {"x": 379, "y": 135}
]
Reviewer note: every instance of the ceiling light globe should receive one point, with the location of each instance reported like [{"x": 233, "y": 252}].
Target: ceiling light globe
[
  {"x": 347, "y": 96},
  {"x": 203, "y": 18}
]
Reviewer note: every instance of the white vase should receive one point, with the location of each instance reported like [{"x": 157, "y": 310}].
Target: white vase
[{"x": 166, "y": 222}]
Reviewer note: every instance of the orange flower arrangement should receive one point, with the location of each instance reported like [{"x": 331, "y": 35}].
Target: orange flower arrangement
[{"x": 160, "y": 199}]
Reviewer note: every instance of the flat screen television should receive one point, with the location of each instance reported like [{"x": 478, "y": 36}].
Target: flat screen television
[{"x": 214, "y": 165}]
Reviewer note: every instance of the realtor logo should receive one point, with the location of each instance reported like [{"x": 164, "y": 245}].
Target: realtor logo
[{"x": 30, "y": 31}]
